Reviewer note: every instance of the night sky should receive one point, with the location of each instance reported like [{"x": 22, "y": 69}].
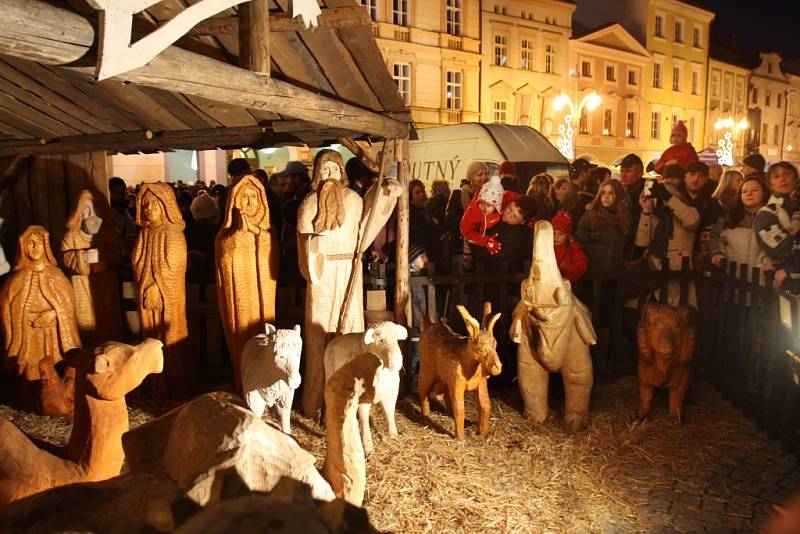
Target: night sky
[{"x": 758, "y": 25}]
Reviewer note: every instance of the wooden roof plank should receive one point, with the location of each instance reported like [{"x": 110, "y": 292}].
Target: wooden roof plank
[
  {"x": 136, "y": 101},
  {"x": 49, "y": 94},
  {"x": 14, "y": 132},
  {"x": 338, "y": 66},
  {"x": 263, "y": 116},
  {"x": 34, "y": 117},
  {"x": 180, "y": 108},
  {"x": 296, "y": 62},
  {"x": 226, "y": 115}
]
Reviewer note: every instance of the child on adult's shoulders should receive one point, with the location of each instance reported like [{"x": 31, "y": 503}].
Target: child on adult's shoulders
[
  {"x": 680, "y": 152},
  {"x": 572, "y": 261},
  {"x": 482, "y": 213}
]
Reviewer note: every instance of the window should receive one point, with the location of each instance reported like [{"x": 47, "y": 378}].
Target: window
[
  {"x": 767, "y": 98},
  {"x": 630, "y": 125},
  {"x": 501, "y": 50},
  {"x": 586, "y": 69},
  {"x": 739, "y": 90},
  {"x": 727, "y": 90},
  {"x": 401, "y": 72},
  {"x": 655, "y": 125},
  {"x": 779, "y": 103},
  {"x": 769, "y": 68},
  {"x": 611, "y": 73},
  {"x": 776, "y": 135},
  {"x": 678, "y": 31},
  {"x": 696, "y": 38},
  {"x": 715, "y": 84},
  {"x": 657, "y": 83},
  {"x": 695, "y": 82},
  {"x": 607, "y": 122},
  {"x": 454, "y": 17},
  {"x": 764, "y": 131},
  {"x": 692, "y": 124},
  {"x": 500, "y": 115},
  {"x": 526, "y": 61},
  {"x": 659, "y": 29},
  {"x": 676, "y": 79},
  {"x": 754, "y": 98},
  {"x": 372, "y": 7},
  {"x": 632, "y": 78},
  {"x": 583, "y": 125},
  {"x": 550, "y": 59},
  {"x": 400, "y": 12},
  {"x": 453, "y": 89}
]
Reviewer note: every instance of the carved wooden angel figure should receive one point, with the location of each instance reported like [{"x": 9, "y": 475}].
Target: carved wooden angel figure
[
  {"x": 247, "y": 258},
  {"x": 332, "y": 234},
  {"x": 159, "y": 267},
  {"x": 38, "y": 314},
  {"x": 92, "y": 249}
]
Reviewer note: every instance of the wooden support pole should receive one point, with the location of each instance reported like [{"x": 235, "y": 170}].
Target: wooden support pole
[
  {"x": 254, "y": 36},
  {"x": 37, "y": 31},
  {"x": 402, "y": 300},
  {"x": 350, "y": 144}
]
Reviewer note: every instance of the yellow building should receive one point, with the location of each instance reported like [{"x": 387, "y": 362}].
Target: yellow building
[
  {"x": 610, "y": 62},
  {"x": 525, "y": 60},
  {"x": 791, "y": 143},
  {"x": 432, "y": 49},
  {"x": 726, "y": 98},
  {"x": 769, "y": 87}
]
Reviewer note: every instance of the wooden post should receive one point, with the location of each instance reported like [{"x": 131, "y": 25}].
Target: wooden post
[
  {"x": 254, "y": 36},
  {"x": 402, "y": 300}
]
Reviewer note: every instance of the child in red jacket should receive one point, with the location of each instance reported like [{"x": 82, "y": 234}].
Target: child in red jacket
[
  {"x": 572, "y": 261},
  {"x": 680, "y": 151},
  {"x": 482, "y": 213}
]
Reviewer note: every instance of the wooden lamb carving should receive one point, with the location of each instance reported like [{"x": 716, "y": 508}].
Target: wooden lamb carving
[
  {"x": 452, "y": 364},
  {"x": 666, "y": 336},
  {"x": 94, "y": 451}
]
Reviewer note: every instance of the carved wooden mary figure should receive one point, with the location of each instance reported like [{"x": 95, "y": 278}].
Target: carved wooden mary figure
[
  {"x": 332, "y": 234},
  {"x": 92, "y": 248},
  {"x": 159, "y": 267},
  {"x": 247, "y": 268}
]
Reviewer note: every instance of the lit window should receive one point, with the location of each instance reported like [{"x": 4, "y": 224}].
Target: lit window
[
  {"x": 676, "y": 79},
  {"x": 454, "y": 17},
  {"x": 400, "y": 12},
  {"x": 453, "y": 89},
  {"x": 655, "y": 125},
  {"x": 608, "y": 128},
  {"x": 657, "y": 83},
  {"x": 550, "y": 59},
  {"x": 583, "y": 125},
  {"x": 526, "y": 61},
  {"x": 630, "y": 125},
  {"x": 659, "y": 29},
  {"x": 500, "y": 112},
  {"x": 678, "y": 31},
  {"x": 401, "y": 73},
  {"x": 764, "y": 131},
  {"x": 501, "y": 50},
  {"x": 715, "y": 83},
  {"x": 695, "y": 82}
]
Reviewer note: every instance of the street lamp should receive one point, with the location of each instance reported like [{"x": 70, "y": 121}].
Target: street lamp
[
  {"x": 727, "y": 143},
  {"x": 566, "y": 129}
]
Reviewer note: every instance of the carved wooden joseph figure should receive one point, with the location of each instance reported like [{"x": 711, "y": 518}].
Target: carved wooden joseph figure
[
  {"x": 332, "y": 234},
  {"x": 92, "y": 248},
  {"x": 247, "y": 268},
  {"x": 38, "y": 312},
  {"x": 159, "y": 267}
]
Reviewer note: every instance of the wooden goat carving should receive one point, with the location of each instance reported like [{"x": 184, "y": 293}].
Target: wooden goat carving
[{"x": 452, "y": 364}]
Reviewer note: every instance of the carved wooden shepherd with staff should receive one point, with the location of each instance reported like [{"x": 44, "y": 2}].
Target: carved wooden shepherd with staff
[{"x": 334, "y": 227}]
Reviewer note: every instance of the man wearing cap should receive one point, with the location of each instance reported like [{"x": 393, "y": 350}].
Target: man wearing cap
[
  {"x": 696, "y": 186},
  {"x": 753, "y": 164},
  {"x": 575, "y": 203},
  {"x": 630, "y": 176},
  {"x": 667, "y": 227}
]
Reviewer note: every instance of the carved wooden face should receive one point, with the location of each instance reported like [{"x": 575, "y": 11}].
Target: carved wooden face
[
  {"x": 330, "y": 170},
  {"x": 248, "y": 201},
  {"x": 151, "y": 209},
  {"x": 34, "y": 247}
]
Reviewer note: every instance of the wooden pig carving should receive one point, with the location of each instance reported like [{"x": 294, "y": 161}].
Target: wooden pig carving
[
  {"x": 38, "y": 320},
  {"x": 381, "y": 340},
  {"x": 554, "y": 330},
  {"x": 271, "y": 372},
  {"x": 452, "y": 364},
  {"x": 666, "y": 336},
  {"x": 95, "y": 450}
]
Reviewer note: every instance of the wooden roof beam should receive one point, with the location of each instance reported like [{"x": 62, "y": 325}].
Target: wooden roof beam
[
  {"x": 331, "y": 18},
  {"x": 49, "y": 35}
]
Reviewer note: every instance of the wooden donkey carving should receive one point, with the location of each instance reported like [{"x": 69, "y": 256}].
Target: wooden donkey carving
[
  {"x": 554, "y": 330},
  {"x": 94, "y": 451},
  {"x": 452, "y": 364}
]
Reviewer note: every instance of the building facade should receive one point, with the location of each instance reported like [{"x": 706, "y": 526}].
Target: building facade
[
  {"x": 791, "y": 144},
  {"x": 432, "y": 50},
  {"x": 726, "y": 104},
  {"x": 610, "y": 62},
  {"x": 769, "y": 88}
]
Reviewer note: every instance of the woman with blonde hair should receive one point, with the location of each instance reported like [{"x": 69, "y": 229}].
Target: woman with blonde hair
[{"x": 727, "y": 188}]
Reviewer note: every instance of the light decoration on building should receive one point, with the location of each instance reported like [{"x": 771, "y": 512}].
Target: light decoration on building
[
  {"x": 727, "y": 142},
  {"x": 566, "y": 130}
]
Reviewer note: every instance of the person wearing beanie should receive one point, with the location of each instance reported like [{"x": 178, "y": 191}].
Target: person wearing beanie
[
  {"x": 204, "y": 209},
  {"x": 752, "y": 164},
  {"x": 680, "y": 151},
  {"x": 200, "y": 234},
  {"x": 508, "y": 176},
  {"x": 482, "y": 213},
  {"x": 572, "y": 261}
]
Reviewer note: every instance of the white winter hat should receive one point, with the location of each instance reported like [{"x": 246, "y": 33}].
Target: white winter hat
[
  {"x": 492, "y": 193},
  {"x": 203, "y": 207}
]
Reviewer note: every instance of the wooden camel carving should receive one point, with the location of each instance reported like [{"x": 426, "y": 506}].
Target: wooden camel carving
[{"x": 94, "y": 451}]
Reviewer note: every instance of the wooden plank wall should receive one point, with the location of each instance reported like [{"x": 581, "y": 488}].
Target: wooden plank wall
[{"x": 44, "y": 190}]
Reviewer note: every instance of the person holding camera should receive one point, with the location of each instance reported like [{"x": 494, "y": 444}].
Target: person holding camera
[{"x": 668, "y": 226}]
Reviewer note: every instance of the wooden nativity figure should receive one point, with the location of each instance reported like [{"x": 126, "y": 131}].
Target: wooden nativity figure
[
  {"x": 38, "y": 316},
  {"x": 332, "y": 234},
  {"x": 247, "y": 258},
  {"x": 92, "y": 250},
  {"x": 159, "y": 268}
]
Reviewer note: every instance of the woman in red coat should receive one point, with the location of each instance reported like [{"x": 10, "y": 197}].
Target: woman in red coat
[{"x": 572, "y": 261}]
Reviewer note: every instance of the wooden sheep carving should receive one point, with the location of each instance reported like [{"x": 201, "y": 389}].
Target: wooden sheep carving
[
  {"x": 452, "y": 364},
  {"x": 554, "y": 330},
  {"x": 94, "y": 451},
  {"x": 381, "y": 339},
  {"x": 667, "y": 337},
  {"x": 271, "y": 371}
]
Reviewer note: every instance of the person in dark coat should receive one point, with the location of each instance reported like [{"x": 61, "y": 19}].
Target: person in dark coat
[
  {"x": 604, "y": 228},
  {"x": 630, "y": 176},
  {"x": 709, "y": 208},
  {"x": 777, "y": 225}
]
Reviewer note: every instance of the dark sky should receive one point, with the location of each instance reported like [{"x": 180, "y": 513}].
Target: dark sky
[{"x": 758, "y": 25}]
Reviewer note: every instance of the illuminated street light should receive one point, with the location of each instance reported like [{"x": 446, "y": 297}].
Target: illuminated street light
[
  {"x": 566, "y": 130},
  {"x": 727, "y": 143}
]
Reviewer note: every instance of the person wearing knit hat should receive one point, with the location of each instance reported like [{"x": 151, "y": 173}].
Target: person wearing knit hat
[
  {"x": 507, "y": 168},
  {"x": 204, "y": 209},
  {"x": 753, "y": 163},
  {"x": 482, "y": 213},
  {"x": 680, "y": 151},
  {"x": 200, "y": 235},
  {"x": 417, "y": 257},
  {"x": 572, "y": 261}
]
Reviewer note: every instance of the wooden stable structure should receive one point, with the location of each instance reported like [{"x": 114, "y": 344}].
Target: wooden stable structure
[{"x": 248, "y": 76}]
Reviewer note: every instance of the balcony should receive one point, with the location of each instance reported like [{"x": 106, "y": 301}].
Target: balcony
[
  {"x": 455, "y": 44},
  {"x": 402, "y": 35},
  {"x": 452, "y": 116}
]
